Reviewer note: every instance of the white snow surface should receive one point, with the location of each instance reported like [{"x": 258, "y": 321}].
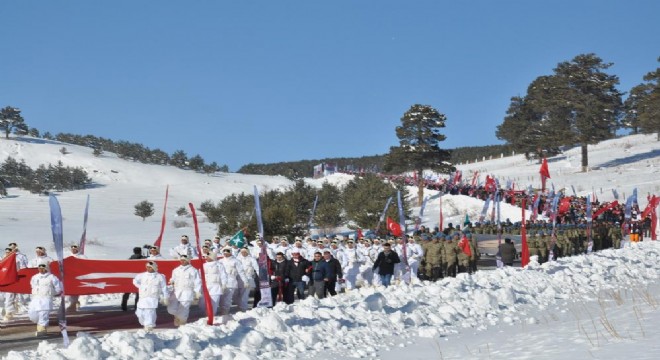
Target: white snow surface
[{"x": 602, "y": 306}]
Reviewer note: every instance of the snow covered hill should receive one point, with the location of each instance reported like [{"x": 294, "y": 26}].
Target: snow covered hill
[{"x": 600, "y": 306}]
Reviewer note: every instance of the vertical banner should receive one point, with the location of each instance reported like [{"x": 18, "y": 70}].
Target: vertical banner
[
  {"x": 654, "y": 220},
  {"x": 311, "y": 216},
  {"x": 402, "y": 221},
  {"x": 441, "y": 220},
  {"x": 58, "y": 241},
  {"x": 264, "y": 283},
  {"x": 484, "y": 210},
  {"x": 628, "y": 211},
  {"x": 590, "y": 242},
  {"x": 162, "y": 224},
  {"x": 382, "y": 216},
  {"x": 83, "y": 238},
  {"x": 418, "y": 222},
  {"x": 205, "y": 290},
  {"x": 553, "y": 235},
  {"x": 524, "y": 254},
  {"x": 498, "y": 256}
]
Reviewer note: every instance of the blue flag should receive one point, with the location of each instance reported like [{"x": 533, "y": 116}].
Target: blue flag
[{"x": 58, "y": 240}]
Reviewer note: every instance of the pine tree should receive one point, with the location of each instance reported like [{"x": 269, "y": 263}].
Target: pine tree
[
  {"x": 592, "y": 99},
  {"x": 419, "y": 137},
  {"x": 144, "y": 209},
  {"x": 329, "y": 207},
  {"x": 196, "y": 163},
  {"x": 648, "y": 109},
  {"x": 12, "y": 121},
  {"x": 179, "y": 159},
  {"x": 578, "y": 104},
  {"x": 364, "y": 198}
]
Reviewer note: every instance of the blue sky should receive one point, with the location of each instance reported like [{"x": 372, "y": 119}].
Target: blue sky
[{"x": 243, "y": 82}]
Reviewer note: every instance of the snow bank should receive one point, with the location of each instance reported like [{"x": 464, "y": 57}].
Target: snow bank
[{"x": 351, "y": 324}]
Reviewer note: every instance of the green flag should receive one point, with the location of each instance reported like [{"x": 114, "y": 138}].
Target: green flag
[
  {"x": 467, "y": 220},
  {"x": 238, "y": 239}
]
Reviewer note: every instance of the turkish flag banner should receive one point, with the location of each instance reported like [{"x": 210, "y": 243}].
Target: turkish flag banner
[
  {"x": 87, "y": 277},
  {"x": 8, "y": 272},
  {"x": 464, "y": 244},
  {"x": 393, "y": 227}
]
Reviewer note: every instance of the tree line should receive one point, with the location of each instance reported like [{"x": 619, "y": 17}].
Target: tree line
[
  {"x": 42, "y": 179},
  {"x": 291, "y": 211},
  {"x": 11, "y": 121}
]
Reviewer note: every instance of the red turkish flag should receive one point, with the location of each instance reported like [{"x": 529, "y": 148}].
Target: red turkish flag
[
  {"x": 87, "y": 276},
  {"x": 8, "y": 272},
  {"x": 524, "y": 256},
  {"x": 545, "y": 173},
  {"x": 393, "y": 227},
  {"x": 359, "y": 234},
  {"x": 464, "y": 244},
  {"x": 564, "y": 205}
]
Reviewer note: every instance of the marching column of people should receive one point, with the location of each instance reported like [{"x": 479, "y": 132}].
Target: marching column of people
[{"x": 305, "y": 267}]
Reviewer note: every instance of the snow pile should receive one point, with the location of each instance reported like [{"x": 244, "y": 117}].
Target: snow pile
[{"x": 352, "y": 324}]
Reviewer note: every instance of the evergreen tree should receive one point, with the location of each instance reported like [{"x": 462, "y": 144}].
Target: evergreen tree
[
  {"x": 97, "y": 151},
  {"x": 196, "y": 163},
  {"x": 592, "y": 99},
  {"x": 648, "y": 109},
  {"x": 419, "y": 137},
  {"x": 39, "y": 182},
  {"x": 299, "y": 198},
  {"x": 364, "y": 198},
  {"x": 182, "y": 211},
  {"x": 144, "y": 209},
  {"x": 329, "y": 208},
  {"x": 535, "y": 125},
  {"x": 12, "y": 121},
  {"x": 179, "y": 159},
  {"x": 3, "y": 190},
  {"x": 578, "y": 104}
]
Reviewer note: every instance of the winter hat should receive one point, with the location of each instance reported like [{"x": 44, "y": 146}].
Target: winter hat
[{"x": 153, "y": 265}]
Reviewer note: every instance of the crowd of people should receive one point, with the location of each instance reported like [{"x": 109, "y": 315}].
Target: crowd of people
[{"x": 321, "y": 267}]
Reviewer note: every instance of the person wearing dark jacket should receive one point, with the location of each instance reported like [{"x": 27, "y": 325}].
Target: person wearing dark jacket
[
  {"x": 385, "y": 263},
  {"x": 279, "y": 277},
  {"x": 508, "y": 252},
  {"x": 319, "y": 272},
  {"x": 299, "y": 270},
  {"x": 137, "y": 254},
  {"x": 333, "y": 272}
]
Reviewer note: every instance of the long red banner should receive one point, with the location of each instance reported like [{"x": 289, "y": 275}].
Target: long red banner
[{"x": 87, "y": 277}]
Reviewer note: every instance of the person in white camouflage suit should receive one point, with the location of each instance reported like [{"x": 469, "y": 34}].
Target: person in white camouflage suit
[{"x": 151, "y": 286}]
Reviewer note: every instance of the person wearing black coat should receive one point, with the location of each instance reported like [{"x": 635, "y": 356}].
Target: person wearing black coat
[
  {"x": 279, "y": 278},
  {"x": 299, "y": 271},
  {"x": 333, "y": 272},
  {"x": 137, "y": 254},
  {"x": 508, "y": 252},
  {"x": 385, "y": 263}
]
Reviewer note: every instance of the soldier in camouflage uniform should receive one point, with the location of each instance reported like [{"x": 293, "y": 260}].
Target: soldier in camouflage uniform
[
  {"x": 433, "y": 258},
  {"x": 533, "y": 245},
  {"x": 450, "y": 256},
  {"x": 543, "y": 244},
  {"x": 616, "y": 235}
]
